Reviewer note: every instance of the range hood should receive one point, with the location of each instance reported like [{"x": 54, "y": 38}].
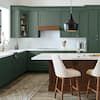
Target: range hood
[{"x": 44, "y": 28}]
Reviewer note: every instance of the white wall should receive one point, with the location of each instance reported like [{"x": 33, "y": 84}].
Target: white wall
[
  {"x": 57, "y": 2},
  {"x": 7, "y": 3},
  {"x": 5, "y": 19}
]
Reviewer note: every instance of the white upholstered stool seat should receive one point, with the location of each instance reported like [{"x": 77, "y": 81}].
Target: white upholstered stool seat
[
  {"x": 70, "y": 72},
  {"x": 95, "y": 73},
  {"x": 62, "y": 72}
]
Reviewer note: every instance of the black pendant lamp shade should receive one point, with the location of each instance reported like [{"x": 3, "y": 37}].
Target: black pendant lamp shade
[{"x": 71, "y": 25}]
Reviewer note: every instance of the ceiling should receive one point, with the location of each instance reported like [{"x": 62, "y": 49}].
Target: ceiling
[{"x": 57, "y": 2}]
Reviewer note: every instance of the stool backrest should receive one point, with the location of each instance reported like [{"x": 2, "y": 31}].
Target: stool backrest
[
  {"x": 59, "y": 67},
  {"x": 96, "y": 70}
]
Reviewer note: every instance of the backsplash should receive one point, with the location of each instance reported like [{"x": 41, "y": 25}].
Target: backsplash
[
  {"x": 72, "y": 43},
  {"x": 47, "y": 40}
]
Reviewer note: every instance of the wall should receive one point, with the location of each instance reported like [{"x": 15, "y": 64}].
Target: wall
[
  {"x": 48, "y": 40},
  {"x": 5, "y": 19},
  {"x": 7, "y": 3},
  {"x": 57, "y": 2}
]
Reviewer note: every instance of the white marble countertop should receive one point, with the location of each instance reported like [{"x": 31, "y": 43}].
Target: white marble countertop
[
  {"x": 67, "y": 56},
  {"x": 54, "y": 49},
  {"x": 9, "y": 53}
]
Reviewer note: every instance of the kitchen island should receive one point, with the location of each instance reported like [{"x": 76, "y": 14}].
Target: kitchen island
[{"x": 79, "y": 61}]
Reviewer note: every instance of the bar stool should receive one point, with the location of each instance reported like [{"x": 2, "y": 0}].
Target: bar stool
[
  {"x": 94, "y": 73},
  {"x": 62, "y": 72}
]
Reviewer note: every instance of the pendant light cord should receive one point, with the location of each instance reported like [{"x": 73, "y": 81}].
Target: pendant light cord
[{"x": 70, "y": 6}]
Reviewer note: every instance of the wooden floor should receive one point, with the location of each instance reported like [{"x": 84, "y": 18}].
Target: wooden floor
[{"x": 34, "y": 87}]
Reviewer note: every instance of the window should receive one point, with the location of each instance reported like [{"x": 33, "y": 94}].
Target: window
[{"x": 4, "y": 25}]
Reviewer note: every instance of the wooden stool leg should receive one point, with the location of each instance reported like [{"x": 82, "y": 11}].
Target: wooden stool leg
[
  {"x": 77, "y": 86},
  {"x": 97, "y": 92},
  {"x": 71, "y": 89},
  {"x": 62, "y": 88},
  {"x": 56, "y": 86},
  {"x": 88, "y": 86}
]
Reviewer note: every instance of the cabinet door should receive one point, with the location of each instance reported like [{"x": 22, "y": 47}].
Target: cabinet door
[
  {"x": 36, "y": 66},
  {"x": 6, "y": 70},
  {"x": 83, "y": 25},
  {"x": 15, "y": 22},
  {"x": 20, "y": 60},
  {"x": 93, "y": 31},
  {"x": 33, "y": 24},
  {"x": 49, "y": 17},
  {"x": 98, "y": 35},
  {"x": 65, "y": 16}
]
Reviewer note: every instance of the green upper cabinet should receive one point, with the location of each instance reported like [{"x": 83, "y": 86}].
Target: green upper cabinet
[
  {"x": 33, "y": 24},
  {"x": 83, "y": 25},
  {"x": 24, "y": 22},
  {"x": 98, "y": 35},
  {"x": 15, "y": 22},
  {"x": 93, "y": 30},
  {"x": 49, "y": 17},
  {"x": 65, "y": 16}
]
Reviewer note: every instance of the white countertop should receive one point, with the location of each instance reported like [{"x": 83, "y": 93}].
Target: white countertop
[
  {"x": 9, "y": 53},
  {"x": 53, "y": 49},
  {"x": 47, "y": 56},
  {"x": 68, "y": 56}
]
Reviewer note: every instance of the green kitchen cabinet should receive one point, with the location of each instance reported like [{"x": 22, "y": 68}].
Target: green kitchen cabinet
[
  {"x": 49, "y": 18},
  {"x": 15, "y": 22},
  {"x": 6, "y": 70},
  {"x": 83, "y": 25},
  {"x": 98, "y": 35},
  {"x": 20, "y": 63},
  {"x": 37, "y": 65},
  {"x": 33, "y": 24},
  {"x": 93, "y": 31},
  {"x": 24, "y": 22},
  {"x": 11, "y": 67},
  {"x": 19, "y": 22},
  {"x": 65, "y": 16}
]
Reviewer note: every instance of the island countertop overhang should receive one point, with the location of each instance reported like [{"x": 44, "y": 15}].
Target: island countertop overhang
[{"x": 67, "y": 56}]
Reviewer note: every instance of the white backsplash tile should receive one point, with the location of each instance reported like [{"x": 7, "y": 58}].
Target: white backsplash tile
[{"x": 48, "y": 39}]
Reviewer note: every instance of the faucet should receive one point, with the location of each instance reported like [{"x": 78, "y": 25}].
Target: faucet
[
  {"x": 16, "y": 46},
  {"x": 64, "y": 43}
]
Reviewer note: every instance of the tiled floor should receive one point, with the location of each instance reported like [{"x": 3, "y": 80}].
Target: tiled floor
[{"x": 33, "y": 87}]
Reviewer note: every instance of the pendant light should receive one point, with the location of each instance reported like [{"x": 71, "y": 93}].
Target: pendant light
[{"x": 71, "y": 25}]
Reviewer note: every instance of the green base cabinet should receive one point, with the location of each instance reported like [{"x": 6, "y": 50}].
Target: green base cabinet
[
  {"x": 11, "y": 67},
  {"x": 20, "y": 63},
  {"x": 6, "y": 70},
  {"x": 36, "y": 66}
]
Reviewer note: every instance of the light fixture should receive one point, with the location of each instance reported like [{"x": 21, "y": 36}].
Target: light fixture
[{"x": 71, "y": 25}]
